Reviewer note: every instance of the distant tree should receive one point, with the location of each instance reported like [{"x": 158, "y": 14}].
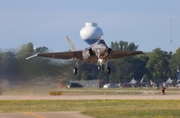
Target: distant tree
[
  {"x": 26, "y": 50},
  {"x": 115, "y": 45},
  {"x": 88, "y": 71},
  {"x": 124, "y": 69},
  {"x": 41, "y": 50},
  {"x": 123, "y": 45},
  {"x": 158, "y": 65},
  {"x": 175, "y": 60}
]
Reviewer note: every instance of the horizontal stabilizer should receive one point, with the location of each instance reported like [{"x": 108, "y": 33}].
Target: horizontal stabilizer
[{"x": 32, "y": 56}]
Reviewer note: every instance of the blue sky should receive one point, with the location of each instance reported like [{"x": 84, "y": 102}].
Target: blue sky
[{"x": 48, "y": 22}]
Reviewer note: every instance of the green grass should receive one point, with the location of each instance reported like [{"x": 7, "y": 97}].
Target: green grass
[{"x": 99, "y": 108}]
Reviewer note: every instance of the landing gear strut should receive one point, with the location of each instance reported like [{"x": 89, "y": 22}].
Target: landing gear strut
[
  {"x": 101, "y": 67},
  {"x": 75, "y": 70}
]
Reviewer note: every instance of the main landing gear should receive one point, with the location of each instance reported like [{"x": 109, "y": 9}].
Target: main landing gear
[
  {"x": 107, "y": 69},
  {"x": 75, "y": 70}
]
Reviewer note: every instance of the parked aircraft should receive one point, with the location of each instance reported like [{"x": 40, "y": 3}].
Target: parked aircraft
[
  {"x": 153, "y": 84},
  {"x": 169, "y": 81},
  {"x": 144, "y": 83},
  {"x": 97, "y": 52},
  {"x": 178, "y": 73},
  {"x": 178, "y": 83},
  {"x": 132, "y": 83},
  {"x": 178, "y": 76},
  {"x": 140, "y": 83}
]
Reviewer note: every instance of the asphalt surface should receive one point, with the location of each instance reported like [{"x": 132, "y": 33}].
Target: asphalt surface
[
  {"x": 44, "y": 115},
  {"x": 94, "y": 97}
]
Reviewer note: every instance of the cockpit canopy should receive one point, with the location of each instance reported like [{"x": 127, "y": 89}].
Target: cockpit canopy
[{"x": 101, "y": 42}]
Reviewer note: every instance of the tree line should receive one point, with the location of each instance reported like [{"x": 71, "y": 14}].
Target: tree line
[{"x": 157, "y": 65}]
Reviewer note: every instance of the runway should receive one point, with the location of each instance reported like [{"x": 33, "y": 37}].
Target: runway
[{"x": 94, "y": 97}]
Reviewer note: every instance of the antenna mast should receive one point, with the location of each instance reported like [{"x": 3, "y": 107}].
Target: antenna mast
[{"x": 171, "y": 32}]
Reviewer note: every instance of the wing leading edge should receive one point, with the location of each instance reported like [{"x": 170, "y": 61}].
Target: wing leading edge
[
  {"x": 59, "y": 55},
  {"x": 120, "y": 54}
]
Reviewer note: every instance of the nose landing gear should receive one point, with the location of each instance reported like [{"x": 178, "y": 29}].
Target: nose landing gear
[
  {"x": 104, "y": 67},
  {"x": 101, "y": 67}
]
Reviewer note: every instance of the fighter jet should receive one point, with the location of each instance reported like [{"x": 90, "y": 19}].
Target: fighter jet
[
  {"x": 143, "y": 84},
  {"x": 178, "y": 73},
  {"x": 133, "y": 81},
  {"x": 169, "y": 81},
  {"x": 153, "y": 84},
  {"x": 97, "y": 52}
]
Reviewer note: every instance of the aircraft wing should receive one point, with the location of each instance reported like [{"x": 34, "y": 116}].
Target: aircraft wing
[
  {"x": 59, "y": 55},
  {"x": 120, "y": 54}
]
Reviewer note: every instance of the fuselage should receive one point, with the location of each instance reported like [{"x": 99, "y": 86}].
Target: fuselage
[{"x": 98, "y": 50}]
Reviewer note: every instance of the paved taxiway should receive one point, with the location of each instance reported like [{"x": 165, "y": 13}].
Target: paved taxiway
[
  {"x": 44, "y": 115},
  {"x": 93, "y": 97}
]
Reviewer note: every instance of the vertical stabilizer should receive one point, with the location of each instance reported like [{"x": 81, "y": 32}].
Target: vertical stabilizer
[
  {"x": 71, "y": 44},
  {"x": 141, "y": 80}
]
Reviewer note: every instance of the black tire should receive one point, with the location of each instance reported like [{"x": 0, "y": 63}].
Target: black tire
[{"x": 75, "y": 71}]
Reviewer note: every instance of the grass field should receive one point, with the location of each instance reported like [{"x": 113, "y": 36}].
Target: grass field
[{"x": 99, "y": 108}]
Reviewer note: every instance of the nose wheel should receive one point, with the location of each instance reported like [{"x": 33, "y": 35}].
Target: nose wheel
[{"x": 101, "y": 67}]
